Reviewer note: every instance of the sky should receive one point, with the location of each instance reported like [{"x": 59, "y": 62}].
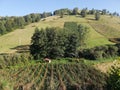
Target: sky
[{"x": 24, "y": 7}]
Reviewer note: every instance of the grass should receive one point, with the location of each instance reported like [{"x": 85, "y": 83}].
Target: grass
[
  {"x": 107, "y": 26},
  {"x": 23, "y": 36}
]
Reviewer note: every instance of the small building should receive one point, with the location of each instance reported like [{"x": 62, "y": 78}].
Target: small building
[{"x": 47, "y": 60}]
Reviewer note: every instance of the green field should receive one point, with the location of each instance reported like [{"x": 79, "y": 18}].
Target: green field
[{"x": 99, "y": 33}]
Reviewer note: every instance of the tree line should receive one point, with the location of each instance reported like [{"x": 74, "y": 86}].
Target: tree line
[
  {"x": 8, "y": 24},
  {"x": 57, "y": 42}
]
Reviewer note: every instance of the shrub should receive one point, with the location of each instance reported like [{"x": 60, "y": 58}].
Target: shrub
[
  {"x": 99, "y": 52},
  {"x": 113, "y": 82}
]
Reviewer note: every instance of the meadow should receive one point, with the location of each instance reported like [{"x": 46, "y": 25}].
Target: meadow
[{"x": 96, "y": 38}]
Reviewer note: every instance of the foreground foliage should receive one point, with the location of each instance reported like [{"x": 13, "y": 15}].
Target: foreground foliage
[
  {"x": 113, "y": 81},
  {"x": 56, "y": 77}
]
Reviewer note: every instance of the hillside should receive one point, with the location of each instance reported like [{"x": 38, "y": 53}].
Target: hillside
[
  {"x": 49, "y": 77},
  {"x": 100, "y": 31}
]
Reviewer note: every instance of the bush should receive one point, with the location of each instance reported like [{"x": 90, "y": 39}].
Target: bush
[
  {"x": 99, "y": 52},
  {"x": 113, "y": 82}
]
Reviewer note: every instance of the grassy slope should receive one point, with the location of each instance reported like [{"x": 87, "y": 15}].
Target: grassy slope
[
  {"x": 23, "y": 36},
  {"x": 107, "y": 26}
]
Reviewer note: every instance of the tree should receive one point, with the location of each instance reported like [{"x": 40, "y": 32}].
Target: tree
[
  {"x": 9, "y": 25},
  {"x": 46, "y": 14},
  {"x": 61, "y": 14},
  {"x": 28, "y": 19},
  {"x": 2, "y": 28},
  {"x": 64, "y": 11},
  {"x": 71, "y": 45},
  {"x": 97, "y": 16},
  {"x": 92, "y": 11},
  {"x": 54, "y": 43},
  {"x": 47, "y": 43},
  {"x": 38, "y": 44},
  {"x": 19, "y": 22},
  {"x": 75, "y": 11},
  {"x": 83, "y": 34},
  {"x": 84, "y": 13},
  {"x": 104, "y": 12}
]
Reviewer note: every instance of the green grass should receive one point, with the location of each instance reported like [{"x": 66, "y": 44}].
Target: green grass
[
  {"x": 107, "y": 26},
  {"x": 23, "y": 36}
]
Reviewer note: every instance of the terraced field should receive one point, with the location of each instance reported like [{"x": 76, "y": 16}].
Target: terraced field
[{"x": 55, "y": 77}]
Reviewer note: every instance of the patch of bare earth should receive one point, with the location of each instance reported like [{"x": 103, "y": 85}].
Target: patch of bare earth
[{"x": 105, "y": 67}]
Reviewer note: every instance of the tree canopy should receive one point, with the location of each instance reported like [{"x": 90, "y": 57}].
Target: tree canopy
[{"x": 57, "y": 42}]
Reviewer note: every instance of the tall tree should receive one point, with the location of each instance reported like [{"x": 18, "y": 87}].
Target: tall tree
[
  {"x": 53, "y": 44},
  {"x": 38, "y": 44},
  {"x": 83, "y": 34},
  {"x": 71, "y": 45}
]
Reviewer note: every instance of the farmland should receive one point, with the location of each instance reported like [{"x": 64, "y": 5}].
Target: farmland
[
  {"x": 55, "y": 76},
  {"x": 19, "y": 73}
]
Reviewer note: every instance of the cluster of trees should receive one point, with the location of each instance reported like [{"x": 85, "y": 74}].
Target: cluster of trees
[
  {"x": 58, "y": 42},
  {"x": 100, "y": 52},
  {"x": 84, "y": 12},
  {"x": 8, "y": 24}
]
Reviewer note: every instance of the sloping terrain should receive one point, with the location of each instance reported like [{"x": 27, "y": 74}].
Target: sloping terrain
[
  {"x": 108, "y": 27},
  {"x": 19, "y": 37},
  {"x": 55, "y": 77}
]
